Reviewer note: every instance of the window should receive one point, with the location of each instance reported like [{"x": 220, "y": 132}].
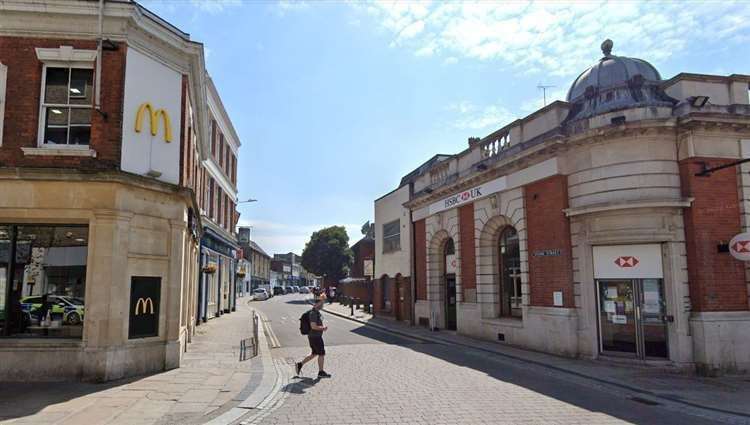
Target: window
[
  {"x": 65, "y": 117},
  {"x": 213, "y": 137},
  {"x": 392, "y": 236},
  {"x": 510, "y": 273},
  {"x": 211, "y": 197},
  {"x": 42, "y": 291}
]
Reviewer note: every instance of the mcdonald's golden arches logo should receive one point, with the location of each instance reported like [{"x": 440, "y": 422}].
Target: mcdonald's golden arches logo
[
  {"x": 154, "y": 117},
  {"x": 142, "y": 305}
]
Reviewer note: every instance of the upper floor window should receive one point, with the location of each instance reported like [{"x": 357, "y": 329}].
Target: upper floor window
[
  {"x": 392, "y": 236},
  {"x": 66, "y": 106}
]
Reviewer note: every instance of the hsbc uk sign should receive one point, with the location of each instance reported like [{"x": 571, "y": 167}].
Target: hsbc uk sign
[{"x": 469, "y": 195}]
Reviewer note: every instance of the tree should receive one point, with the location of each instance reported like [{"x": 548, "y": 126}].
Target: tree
[{"x": 328, "y": 254}]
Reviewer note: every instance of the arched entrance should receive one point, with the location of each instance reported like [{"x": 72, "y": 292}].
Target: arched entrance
[
  {"x": 398, "y": 306},
  {"x": 449, "y": 279}
]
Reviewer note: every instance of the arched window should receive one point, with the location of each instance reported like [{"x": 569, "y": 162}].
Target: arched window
[{"x": 510, "y": 273}]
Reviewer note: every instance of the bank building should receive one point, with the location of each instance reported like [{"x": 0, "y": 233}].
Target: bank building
[{"x": 595, "y": 227}]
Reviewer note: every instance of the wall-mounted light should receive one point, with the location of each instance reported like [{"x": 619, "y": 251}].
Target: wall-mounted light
[
  {"x": 698, "y": 101},
  {"x": 482, "y": 167}
]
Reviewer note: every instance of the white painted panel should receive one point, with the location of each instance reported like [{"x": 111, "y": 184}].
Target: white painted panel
[
  {"x": 147, "y": 80},
  {"x": 451, "y": 264},
  {"x": 628, "y": 262}
]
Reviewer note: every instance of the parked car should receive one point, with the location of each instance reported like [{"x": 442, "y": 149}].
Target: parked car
[
  {"x": 278, "y": 290},
  {"x": 260, "y": 294},
  {"x": 295, "y": 289},
  {"x": 288, "y": 290},
  {"x": 68, "y": 309},
  {"x": 304, "y": 290}
]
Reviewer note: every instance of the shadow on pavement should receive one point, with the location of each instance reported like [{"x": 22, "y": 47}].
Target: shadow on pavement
[
  {"x": 539, "y": 380},
  {"x": 15, "y": 400},
  {"x": 300, "y": 386}
]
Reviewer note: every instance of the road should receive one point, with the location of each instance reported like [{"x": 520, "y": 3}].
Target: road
[{"x": 381, "y": 378}]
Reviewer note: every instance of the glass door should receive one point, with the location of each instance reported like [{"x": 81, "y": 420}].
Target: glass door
[
  {"x": 632, "y": 318},
  {"x": 450, "y": 302},
  {"x": 617, "y": 318},
  {"x": 653, "y": 308}
]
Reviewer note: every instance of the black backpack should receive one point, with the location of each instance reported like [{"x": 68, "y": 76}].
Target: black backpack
[{"x": 304, "y": 323}]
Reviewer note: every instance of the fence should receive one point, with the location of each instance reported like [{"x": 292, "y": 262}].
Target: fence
[{"x": 249, "y": 346}]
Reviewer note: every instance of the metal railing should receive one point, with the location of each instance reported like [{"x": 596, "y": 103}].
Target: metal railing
[{"x": 249, "y": 346}]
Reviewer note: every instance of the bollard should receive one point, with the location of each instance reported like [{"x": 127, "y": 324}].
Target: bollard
[{"x": 351, "y": 307}]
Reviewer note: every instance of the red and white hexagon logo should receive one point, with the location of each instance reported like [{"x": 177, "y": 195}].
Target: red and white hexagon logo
[
  {"x": 626, "y": 261},
  {"x": 739, "y": 247}
]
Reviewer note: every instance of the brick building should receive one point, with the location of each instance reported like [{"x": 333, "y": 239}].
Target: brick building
[
  {"x": 359, "y": 282},
  {"x": 588, "y": 227},
  {"x": 105, "y": 114}
]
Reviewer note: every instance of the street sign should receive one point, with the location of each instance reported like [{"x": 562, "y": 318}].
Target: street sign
[{"x": 739, "y": 246}]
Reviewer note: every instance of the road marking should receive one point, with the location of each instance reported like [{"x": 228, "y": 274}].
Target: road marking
[{"x": 272, "y": 338}]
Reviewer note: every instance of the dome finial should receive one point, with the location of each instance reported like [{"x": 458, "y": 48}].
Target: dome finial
[{"x": 607, "y": 47}]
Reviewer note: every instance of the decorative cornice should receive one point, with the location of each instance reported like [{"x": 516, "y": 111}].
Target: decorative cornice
[
  {"x": 664, "y": 203},
  {"x": 65, "y": 54}
]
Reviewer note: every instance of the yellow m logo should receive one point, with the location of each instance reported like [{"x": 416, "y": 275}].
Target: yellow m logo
[
  {"x": 154, "y": 116},
  {"x": 142, "y": 305}
]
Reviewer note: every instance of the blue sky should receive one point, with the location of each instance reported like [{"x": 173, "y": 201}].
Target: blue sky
[{"x": 335, "y": 101}]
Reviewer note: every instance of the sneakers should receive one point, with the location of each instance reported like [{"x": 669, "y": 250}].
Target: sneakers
[
  {"x": 298, "y": 368},
  {"x": 323, "y": 374}
]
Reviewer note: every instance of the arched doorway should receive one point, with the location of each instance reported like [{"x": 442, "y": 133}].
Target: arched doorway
[
  {"x": 449, "y": 278},
  {"x": 509, "y": 260},
  {"x": 398, "y": 302}
]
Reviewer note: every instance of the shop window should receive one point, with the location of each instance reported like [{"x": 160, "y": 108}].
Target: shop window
[
  {"x": 65, "y": 118},
  {"x": 392, "y": 236},
  {"x": 510, "y": 273},
  {"x": 42, "y": 292}
]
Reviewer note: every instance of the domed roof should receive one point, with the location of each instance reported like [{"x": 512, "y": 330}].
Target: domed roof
[{"x": 615, "y": 82}]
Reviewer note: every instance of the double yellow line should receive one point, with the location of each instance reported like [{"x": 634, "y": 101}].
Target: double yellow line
[{"x": 273, "y": 340}]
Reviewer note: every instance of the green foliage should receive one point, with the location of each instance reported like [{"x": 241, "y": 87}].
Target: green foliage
[{"x": 327, "y": 253}]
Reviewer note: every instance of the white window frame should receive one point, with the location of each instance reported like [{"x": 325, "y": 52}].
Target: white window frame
[
  {"x": 62, "y": 57},
  {"x": 387, "y": 238},
  {"x": 3, "y": 86}
]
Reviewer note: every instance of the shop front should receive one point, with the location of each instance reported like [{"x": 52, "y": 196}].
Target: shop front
[
  {"x": 91, "y": 277},
  {"x": 218, "y": 288},
  {"x": 631, "y": 305}
]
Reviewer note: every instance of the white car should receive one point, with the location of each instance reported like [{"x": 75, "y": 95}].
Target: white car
[{"x": 260, "y": 294}]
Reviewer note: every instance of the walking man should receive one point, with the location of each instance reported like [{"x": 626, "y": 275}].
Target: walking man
[{"x": 315, "y": 337}]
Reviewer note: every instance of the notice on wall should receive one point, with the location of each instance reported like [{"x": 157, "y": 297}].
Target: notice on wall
[
  {"x": 558, "y": 298},
  {"x": 620, "y": 319},
  {"x": 612, "y": 292},
  {"x": 609, "y": 306},
  {"x": 651, "y": 302}
]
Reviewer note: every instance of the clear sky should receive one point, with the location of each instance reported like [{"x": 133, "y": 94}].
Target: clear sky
[{"x": 335, "y": 101}]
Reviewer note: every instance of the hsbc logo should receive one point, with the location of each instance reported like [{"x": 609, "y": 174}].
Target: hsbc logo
[
  {"x": 626, "y": 261},
  {"x": 463, "y": 197},
  {"x": 741, "y": 246}
]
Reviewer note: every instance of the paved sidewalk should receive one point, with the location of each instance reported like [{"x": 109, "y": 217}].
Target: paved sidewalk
[
  {"x": 728, "y": 394},
  {"x": 210, "y": 381}
]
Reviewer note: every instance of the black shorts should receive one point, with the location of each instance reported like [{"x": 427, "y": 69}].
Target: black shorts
[{"x": 317, "y": 345}]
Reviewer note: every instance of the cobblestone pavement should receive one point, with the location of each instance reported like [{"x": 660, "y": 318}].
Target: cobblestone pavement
[
  {"x": 425, "y": 383},
  {"x": 210, "y": 380}
]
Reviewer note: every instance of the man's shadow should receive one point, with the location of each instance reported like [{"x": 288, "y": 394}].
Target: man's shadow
[{"x": 300, "y": 386}]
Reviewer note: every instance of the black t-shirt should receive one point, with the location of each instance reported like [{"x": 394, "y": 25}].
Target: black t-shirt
[{"x": 317, "y": 318}]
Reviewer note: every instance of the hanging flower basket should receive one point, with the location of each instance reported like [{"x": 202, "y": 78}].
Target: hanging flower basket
[{"x": 209, "y": 268}]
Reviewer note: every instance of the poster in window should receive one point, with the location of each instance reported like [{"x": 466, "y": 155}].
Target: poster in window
[{"x": 145, "y": 297}]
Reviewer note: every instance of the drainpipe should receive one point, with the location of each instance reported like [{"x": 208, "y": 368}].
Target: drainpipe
[
  {"x": 97, "y": 84},
  {"x": 413, "y": 260}
]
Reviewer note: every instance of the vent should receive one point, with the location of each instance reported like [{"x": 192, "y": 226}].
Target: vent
[
  {"x": 618, "y": 120},
  {"x": 501, "y": 337}
]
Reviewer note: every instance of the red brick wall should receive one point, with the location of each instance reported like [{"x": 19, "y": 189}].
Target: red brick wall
[
  {"x": 22, "y": 105},
  {"x": 717, "y": 280},
  {"x": 420, "y": 253},
  {"x": 363, "y": 250},
  {"x": 548, "y": 228},
  {"x": 468, "y": 250},
  {"x": 359, "y": 290}
]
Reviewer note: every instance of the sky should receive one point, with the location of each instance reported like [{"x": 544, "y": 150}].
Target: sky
[{"x": 334, "y": 101}]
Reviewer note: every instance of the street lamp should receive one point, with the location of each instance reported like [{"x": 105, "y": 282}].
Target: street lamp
[{"x": 248, "y": 201}]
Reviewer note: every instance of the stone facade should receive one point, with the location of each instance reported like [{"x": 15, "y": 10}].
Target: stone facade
[
  {"x": 139, "y": 225},
  {"x": 532, "y": 211}
]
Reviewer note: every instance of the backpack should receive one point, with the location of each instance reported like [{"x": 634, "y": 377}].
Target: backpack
[{"x": 304, "y": 323}]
